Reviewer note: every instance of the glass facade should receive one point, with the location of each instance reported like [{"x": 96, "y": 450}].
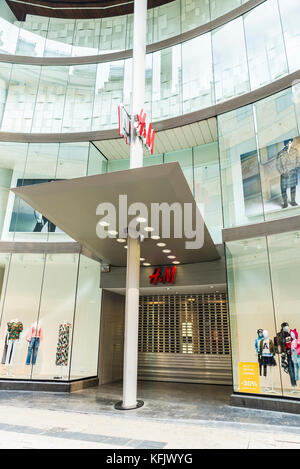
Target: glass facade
[
  {"x": 245, "y": 54},
  {"x": 51, "y": 306},
  {"x": 260, "y": 159},
  {"x": 263, "y": 297},
  {"x": 57, "y": 37}
]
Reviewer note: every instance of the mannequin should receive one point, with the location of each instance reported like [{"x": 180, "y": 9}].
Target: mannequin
[
  {"x": 283, "y": 344},
  {"x": 14, "y": 330},
  {"x": 267, "y": 352},
  {"x": 295, "y": 351},
  {"x": 257, "y": 349},
  {"x": 33, "y": 337}
]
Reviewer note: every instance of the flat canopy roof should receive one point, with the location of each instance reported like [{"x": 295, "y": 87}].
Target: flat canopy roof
[{"x": 71, "y": 205}]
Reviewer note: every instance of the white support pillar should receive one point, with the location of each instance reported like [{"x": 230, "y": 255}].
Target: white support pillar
[
  {"x": 131, "y": 324},
  {"x": 130, "y": 369}
]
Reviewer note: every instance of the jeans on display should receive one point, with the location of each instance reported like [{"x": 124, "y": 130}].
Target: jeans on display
[
  {"x": 291, "y": 369},
  {"x": 32, "y": 350},
  {"x": 296, "y": 361},
  {"x": 10, "y": 351}
]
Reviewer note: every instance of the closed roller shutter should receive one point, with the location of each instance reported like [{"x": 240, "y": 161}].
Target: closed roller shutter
[{"x": 185, "y": 338}]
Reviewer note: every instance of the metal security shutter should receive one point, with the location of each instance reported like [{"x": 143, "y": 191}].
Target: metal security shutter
[{"x": 185, "y": 338}]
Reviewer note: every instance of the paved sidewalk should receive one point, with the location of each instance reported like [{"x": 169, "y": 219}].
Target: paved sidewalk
[{"x": 37, "y": 428}]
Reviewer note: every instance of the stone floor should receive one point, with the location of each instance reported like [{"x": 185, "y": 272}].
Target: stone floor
[{"x": 174, "y": 416}]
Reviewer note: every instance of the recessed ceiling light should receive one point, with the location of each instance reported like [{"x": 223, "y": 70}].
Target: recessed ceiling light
[
  {"x": 161, "y": 245},
  {"x": 141, "y": 220},
  {"x": 175, "y": 262},
  {"x": 149, "y": 228},
  {"x": 121, "y": 240},
  {"x": 171, "y": 257},
  {"x": 167, "y": 251},
  {"x": 142, "y": 259},
  {"x": 126, "y": 247},
  {"x": 113, "y": 232},
  {"x": 155, "y": 237},
  {"x": 103, "y": 223},
  {"x": 146, "y": 264}
]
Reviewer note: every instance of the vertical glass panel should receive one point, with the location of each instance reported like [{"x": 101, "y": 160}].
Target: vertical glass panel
[
  {"x": 20, "y": 310},
  {"x": 185, "y": 159},
  {"x": 32, "y": 37},
  {"x": 284, "y": 252},
  {"x": 86, "y": 37},
  {"x": 166, "y": 93},
  {"x": 279, "y": 149},
  {"x": 8, "y": 37},
  {"x": 194, "y": 13},
  {"x": 55, "y": 321},
  {"x": 5, "y": 73},
  {"x": 241, "y": 186},
  {"x": 117, "y": 165},
  {"x": 150, "y": 160},
  {"x": 108, "y": 94},
  {"x": 50, "y": 102},
  {"x": 230, "y": 61},
  {"x": 220, "y": 7},
  {"x": 79, "y": 98},
  {"x": 21, "y": 98},
  {"x": 60, "y": 37},
  {"x": 265, "y": 45},
  {"x": 290, "y": 12},
  {"x": 113, "y": 33},
  {"x": 251, "y": 309},
  {"x": 208, "y": 188},
  {"x": 31, "y": 225},
  {"x": 12, "y": 166},
  {"x": 166, "y": 21},
  {"x": 97, "y": 163},
  {"x": 87, "y": 321},
  {"x": 197, "y": 74}
]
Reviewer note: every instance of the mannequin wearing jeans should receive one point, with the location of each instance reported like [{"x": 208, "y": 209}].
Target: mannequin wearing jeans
[
  {"x": 295, "y": 352},
  {"x": 34, "y": 336}
]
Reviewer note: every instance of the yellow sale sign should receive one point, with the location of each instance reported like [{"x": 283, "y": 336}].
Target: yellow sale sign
[{"x": 249, "y": 377}]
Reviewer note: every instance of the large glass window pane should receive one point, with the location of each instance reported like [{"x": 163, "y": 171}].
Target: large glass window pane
[
  {"x": 97, "y": 162},
  {"x": 166, "y": 93},
  {"x": 32, "y": 37},
  {"x": 194, "y": 13},
  {"x": 79, "y": 98},
  {"x": 21, "y": 98},
  {"x": 197, "y": 74},
  {"x": 108, "y": 94},
  {"x": 166, "y": 21},
  {"x": 265, "y": 45},
  {"x": 220, "y": 7},
  {"x": 241, "y": 186},
  {"x": 230, "y": 61},
  {"x": 50, "y": 102},
  {"x": 12, "y": 167},
  {"x": 60, "y": 37},
  {"x": 86, "y": 37},
  {"x": 8, "y": 37},
  {"x": 208, "y": 188},
  {"x": 56, "y": 317},
  {"x": 87, "y": 320},
  {"x": 5, "y": 73},
  {"x": 284, "y": 252},
  {"x": 251, "y": 310},
  {"x": 41, "y": 162},
  {"x": 185, "y": 159},
  {"x": 113, "y": 34},
  {"x": 279, "y": 150},
  {"x": 20, "y": 311},
  {"x": 290, "y": 13}
]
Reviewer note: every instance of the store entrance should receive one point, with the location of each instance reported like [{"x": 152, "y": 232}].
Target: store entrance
[{"x": 183, "y": 337}]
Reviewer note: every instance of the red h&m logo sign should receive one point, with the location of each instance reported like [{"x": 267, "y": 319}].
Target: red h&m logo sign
[
  {"x": 167, "y": 277},
  {"x": 147, "y": 135}
]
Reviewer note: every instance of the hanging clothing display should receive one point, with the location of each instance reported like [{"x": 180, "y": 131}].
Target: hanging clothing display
[
  {"x": 32, "y": 351},
  {"x": 34, "y": 331},
  {"x": 14, "y": 329},
  {"x": 257, "y": 349},
  {"x": 295, "y": 351},
  {"x": 283, "y": 344},
  {"x": 62, "y": 352}
]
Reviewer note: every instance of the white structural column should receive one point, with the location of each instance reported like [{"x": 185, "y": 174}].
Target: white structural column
[{"x": 133, "y": 251}]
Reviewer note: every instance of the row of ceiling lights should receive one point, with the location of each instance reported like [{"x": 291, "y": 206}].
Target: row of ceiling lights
[{"x": 148, "y": 229}]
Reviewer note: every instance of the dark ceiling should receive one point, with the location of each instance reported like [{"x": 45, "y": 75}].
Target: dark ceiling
[{"x": 75, "y": 8}]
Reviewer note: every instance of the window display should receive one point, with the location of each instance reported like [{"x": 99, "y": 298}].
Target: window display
[
  {"x": 33, "y": 337},
  {"x": 62, "y": 352}
]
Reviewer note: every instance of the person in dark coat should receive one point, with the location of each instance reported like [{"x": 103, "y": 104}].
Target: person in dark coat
[{"x": 287, "y": 164}]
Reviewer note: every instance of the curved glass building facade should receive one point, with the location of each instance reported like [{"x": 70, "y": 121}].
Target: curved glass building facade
[{"x": 223, "y": 93}]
